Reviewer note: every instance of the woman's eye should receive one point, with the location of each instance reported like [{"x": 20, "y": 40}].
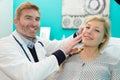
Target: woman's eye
[
  {"x": 97, "y": 30},
  {"x": 87, "y": 27}
]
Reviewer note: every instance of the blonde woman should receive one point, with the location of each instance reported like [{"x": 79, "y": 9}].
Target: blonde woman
[{"x": 89, "y": 63}]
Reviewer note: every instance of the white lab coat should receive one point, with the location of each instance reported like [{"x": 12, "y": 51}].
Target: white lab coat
[{"x": 14, "y": 65}]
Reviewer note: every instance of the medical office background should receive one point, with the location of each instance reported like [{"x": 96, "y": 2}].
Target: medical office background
[{"x": 51, "y": 17}]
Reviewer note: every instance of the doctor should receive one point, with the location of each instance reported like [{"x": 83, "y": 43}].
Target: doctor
[{"x": 24, "y": 56}]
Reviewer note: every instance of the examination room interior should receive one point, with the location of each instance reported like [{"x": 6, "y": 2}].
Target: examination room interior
[{"x": 51, "y": 18}]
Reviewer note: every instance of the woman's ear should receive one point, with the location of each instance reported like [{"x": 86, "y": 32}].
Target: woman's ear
[{"x": 104, "y": 39}]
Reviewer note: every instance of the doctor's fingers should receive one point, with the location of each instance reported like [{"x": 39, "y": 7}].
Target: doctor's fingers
[
  {"x": 77, "y": 39},
  {"x": 74, "y": 41},
  {"x": 70, "y": 44},
  {"x": 80, "y": 30}
]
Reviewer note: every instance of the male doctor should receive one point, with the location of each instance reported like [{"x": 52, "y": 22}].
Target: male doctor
[{"x": 24, "y": 56}]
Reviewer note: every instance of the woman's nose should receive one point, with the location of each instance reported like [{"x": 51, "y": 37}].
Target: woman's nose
[{"x": 90, "y": 31}]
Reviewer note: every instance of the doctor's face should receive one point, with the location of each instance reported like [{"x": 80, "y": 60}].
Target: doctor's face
[
  {"x": 93, "y": 33},
  {"x": 28, "y": 24}
]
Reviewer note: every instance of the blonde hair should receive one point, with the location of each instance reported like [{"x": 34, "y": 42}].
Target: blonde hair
[
  {"x": 106, "y": 32},
  {"x": 26, "y": 5},
  {"x": 106, "y": 35},
  {"x": 106, "y": 22}
]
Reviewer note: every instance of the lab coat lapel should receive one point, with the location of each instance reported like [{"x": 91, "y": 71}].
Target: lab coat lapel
[
  {"x": 24, "y": 46},
  {"x": 41, "y": 53}
]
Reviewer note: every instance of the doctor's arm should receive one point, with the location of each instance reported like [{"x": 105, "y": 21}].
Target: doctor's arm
[
  {"x": 18, "y": 67},
  {"x": 53, "y": 45}
]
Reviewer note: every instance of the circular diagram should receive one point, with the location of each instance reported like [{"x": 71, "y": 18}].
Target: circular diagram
[
  {"x": 77, "y": 22},
  {"x": 94, "y": 6},
  {"x": 66, "y": 21}
]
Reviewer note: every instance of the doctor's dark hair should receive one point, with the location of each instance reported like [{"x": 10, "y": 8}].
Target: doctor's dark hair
[
  {"x": 106, "y": 28},
  {"x": 26, "y": 5}
]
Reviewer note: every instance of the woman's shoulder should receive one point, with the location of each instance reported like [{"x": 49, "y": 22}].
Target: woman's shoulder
[{"x": 112, "y": 60}]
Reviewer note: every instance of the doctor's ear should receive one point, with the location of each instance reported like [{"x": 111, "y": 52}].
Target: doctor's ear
[
  {"x": 118, "y": 1},
  {"x": 15, "y": 21}
]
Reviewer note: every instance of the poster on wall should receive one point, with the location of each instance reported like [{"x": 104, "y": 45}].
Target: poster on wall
[{"x": 74, "y": 12}]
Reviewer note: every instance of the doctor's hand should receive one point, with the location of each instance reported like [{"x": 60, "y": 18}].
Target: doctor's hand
[
  {"x": 71, "y": 44},
  {"x": 79, "y": 32}
]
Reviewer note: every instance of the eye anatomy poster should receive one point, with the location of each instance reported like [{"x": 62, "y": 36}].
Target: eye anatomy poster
[{"x": 74, "y": 12}]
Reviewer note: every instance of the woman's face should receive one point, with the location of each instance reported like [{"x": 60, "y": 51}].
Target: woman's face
[{"x": 93, "y": 33}]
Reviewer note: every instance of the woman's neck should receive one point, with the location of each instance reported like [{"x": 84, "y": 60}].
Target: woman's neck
[{"x": 89, "y": 53}]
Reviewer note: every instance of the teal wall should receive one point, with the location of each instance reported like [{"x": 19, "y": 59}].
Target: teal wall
[
  {"x": 51, "y": 16},
  {"x": 115, "y": 19}
]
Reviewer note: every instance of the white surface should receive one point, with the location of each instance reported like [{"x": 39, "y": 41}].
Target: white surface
[
  {"x": 45, "y": 32},
  {"x": 6, "y": 17},
  {"x": 113, "y": 47}
]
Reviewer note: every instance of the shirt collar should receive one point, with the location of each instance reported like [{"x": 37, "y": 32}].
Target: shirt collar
[{"x": 29, "y": 43}]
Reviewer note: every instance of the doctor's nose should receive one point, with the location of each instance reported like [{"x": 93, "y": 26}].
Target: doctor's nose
[{"x": 34, "y": 23}]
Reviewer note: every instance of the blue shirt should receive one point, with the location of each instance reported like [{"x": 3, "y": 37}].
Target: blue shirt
[{"x": 29, "y": 43}]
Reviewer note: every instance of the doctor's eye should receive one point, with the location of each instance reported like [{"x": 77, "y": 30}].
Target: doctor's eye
[
  {"x": 28, "y": 18},
  {"x": 37, "y": 19}
]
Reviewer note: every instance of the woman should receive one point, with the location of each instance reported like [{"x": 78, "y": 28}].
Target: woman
[{"x": 90, "y": 63}]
